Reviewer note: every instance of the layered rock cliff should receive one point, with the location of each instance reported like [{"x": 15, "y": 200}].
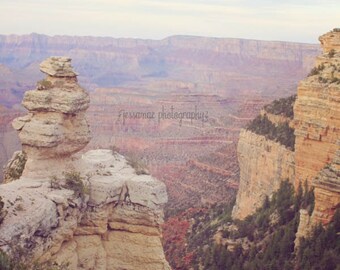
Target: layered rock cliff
[
  {"x": 205, "y": 63},
  {"x": 317, "y": 130},
  {"x": 91, "y": 211},
  {"x": 263, "y": 165},
  {"x": 316, "y": 125},
  {"x": 317, "y": 112}
]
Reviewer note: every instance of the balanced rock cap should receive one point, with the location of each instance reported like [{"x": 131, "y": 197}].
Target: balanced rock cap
[{"x": 58, "y": 66}]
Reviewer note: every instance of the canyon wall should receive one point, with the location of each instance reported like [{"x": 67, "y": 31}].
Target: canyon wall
[
  {"x": 316, "y": 125},
  {"x": 317, "y": 114},
  {"x": 317, "y": 130},
  {"x": 263, "y": 165},
  {"x": 208, "y": 65}
]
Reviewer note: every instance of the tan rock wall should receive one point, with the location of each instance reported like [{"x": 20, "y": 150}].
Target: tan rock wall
[
  {"x": 263, "y": 165},
  {"x": 317, "y": 127},
  {"x": 317, "y": 130}
]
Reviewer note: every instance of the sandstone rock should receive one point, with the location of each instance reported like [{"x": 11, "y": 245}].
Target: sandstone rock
[
  {"x": 317, "y": 122},
  {"x": 263, "y": 165},
  {"x": 101, "y": 214},
  {"x": 58, "y": 67},
  {"x": 89, "y": 236},
  {"x": 55, "y": 127},
  {"x": 305, "y": 227},
  {"x": 317, "y": 113},
  {"x": 330, "y": 41},
  {"x": 327, "y": 191}
]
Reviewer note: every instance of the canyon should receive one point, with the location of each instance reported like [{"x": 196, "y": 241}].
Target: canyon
[
  {"x": 231, "y": 79},
  {"x": 200, "y": 162}
]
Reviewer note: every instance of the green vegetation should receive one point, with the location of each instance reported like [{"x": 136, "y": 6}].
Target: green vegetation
[
  {"x": 15, "y": 171},
  {"x": 72, "y": 180},
  {"x": 322, "y": 249},
  {"x": 19, "y": 263},
  {"x": 281, "y": 133},
  {"x": 331, "y": 53},
  {"x": 270, "y": 234},
  {"x": 206, "y": 223},
  {"x": 282, "y": 106},
  {"x": 316, "y": 70},
  {"x": 75, "y": 182}
]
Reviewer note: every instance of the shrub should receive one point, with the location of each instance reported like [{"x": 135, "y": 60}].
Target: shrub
[
  {"x": 282, "y": 106},
  {"x": 74, "y": 181},
  {"x": 331, "y": 53},
  {"x": 14, "y": 263},
  {"x": 282, "y": 133},
  {"x": 14, "y": 169},
  {"x": 316, "y": 70}
]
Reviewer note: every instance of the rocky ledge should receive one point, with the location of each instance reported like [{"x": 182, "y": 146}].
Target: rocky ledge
[{"x": 115, "y": 225}]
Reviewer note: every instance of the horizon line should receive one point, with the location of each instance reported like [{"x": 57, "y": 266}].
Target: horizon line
[{"x": 156, "y": 39}]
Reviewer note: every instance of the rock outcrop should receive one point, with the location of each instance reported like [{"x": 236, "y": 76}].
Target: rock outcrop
[
  {"x": 116, "y": 226},
  {"x": 317, "y": 130},
  {"x": 91, "y": 211},
  {"x": 264, "y": 164},
  {"x": 327, "y": 191},
  {"x": 317, "y": 112},
  {"x": 55, "y": 127},
  {"x": 327, "y": 199}
]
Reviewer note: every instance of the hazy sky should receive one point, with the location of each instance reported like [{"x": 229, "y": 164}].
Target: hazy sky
[{"x": 291, "y": 20}]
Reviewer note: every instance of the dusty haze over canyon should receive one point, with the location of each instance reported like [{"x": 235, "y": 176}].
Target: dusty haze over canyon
[{"x": 177, "y": 106}]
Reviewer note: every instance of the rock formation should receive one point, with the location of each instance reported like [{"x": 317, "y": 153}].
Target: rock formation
[
  {"x": 317, "y": 134},
  {"x": 55, "y": 126},
  {"x": 317, "y": 130},
  {"x": 327, "y": 191},
  {"x": 327, "y": 199},
  {"x": 317, "y": 112},
  {"x": 263, "y": 165},
  {"x": 93, "y": 211}
]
